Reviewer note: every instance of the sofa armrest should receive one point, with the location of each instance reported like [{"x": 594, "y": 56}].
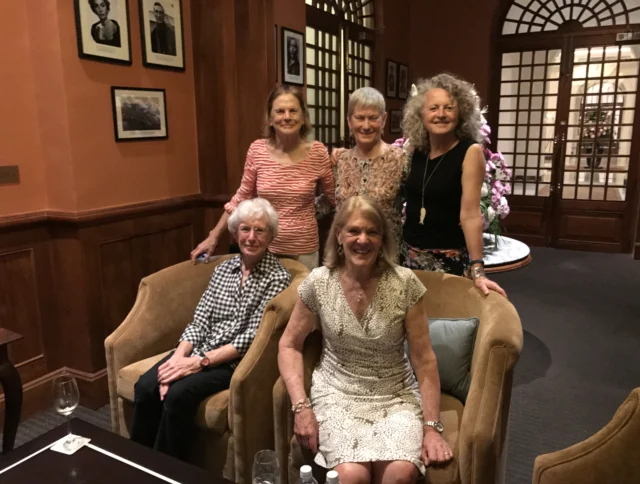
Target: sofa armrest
[
  {"x": 250, "y": 397},
  {"x": 164, "y": 306},
  {"x": 483, "y": 430},
  {"x": 610, "y": 455}
]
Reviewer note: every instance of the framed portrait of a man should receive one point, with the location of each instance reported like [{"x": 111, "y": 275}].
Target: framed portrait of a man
[
  {"x": 403, "y": 81},
  {"x": 102, "y": 30},
  {"x": 392, "y": 79},
  {"x": 139, "y": 114},
  {"x": 395, "y": 123},
  {"x": 292, "y": 57},
  {"x": 162, "y": 34}
]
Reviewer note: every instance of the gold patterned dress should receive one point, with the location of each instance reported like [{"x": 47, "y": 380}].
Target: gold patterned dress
[
  {"x": 363, "y": 390},
  {"x": 380, "y": 178}
]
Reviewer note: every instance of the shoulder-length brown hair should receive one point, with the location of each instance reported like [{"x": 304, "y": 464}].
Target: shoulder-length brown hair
[
  {"x": 269, "y": 132},
  {"x": 371, "y": 210}
]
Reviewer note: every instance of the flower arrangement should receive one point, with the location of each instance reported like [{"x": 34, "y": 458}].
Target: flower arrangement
[{"x": 493, "y": 202}]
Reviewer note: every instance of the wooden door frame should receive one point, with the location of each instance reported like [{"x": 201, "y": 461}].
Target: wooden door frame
[{"x": 556, "y": 40}]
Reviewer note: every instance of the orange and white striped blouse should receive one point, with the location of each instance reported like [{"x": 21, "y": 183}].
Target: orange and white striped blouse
[{"x": 291, "y": 189}]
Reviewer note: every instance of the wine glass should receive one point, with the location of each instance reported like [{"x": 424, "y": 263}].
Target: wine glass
[
  {"x": 65, "y": 400},
  {"x": 265, "y": 468}
]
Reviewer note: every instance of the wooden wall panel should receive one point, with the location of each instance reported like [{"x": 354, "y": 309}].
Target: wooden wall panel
[
  {"x": 584, "y": 227},
  {"x": 68, "y": 279},
  {"x": 124, "y": 262}
]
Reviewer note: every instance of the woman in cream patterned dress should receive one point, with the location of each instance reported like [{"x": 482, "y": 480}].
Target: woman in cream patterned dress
[{"x": 367, "y": 415}]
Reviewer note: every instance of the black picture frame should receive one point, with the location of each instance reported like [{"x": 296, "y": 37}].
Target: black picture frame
[
  {"x": 293, "y": 64},
  {"x": 114, "y": 50},
  {"x": 140, "y": 112},
  {"x": 168, "y": 52},
  {"x": 392, "y": 79},
  {"x": 395, "y": 120},
  {"x": 403, "y": 81}
]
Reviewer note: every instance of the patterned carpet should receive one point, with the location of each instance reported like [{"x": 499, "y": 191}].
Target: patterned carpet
[{"x": 580, "y": 359}]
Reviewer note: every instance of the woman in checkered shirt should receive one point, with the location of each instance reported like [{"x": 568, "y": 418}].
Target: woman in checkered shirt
[{"x": 226, "y": 320}]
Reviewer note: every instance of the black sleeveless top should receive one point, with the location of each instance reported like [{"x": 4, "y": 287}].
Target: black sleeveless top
[{"x": 442, "y": 200}]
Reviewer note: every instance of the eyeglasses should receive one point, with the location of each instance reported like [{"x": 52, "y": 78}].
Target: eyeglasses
[{"x": 257, "y": 231}]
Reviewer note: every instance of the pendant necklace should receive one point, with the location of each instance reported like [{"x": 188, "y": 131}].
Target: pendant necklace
[{"x": 423, "y": 211}]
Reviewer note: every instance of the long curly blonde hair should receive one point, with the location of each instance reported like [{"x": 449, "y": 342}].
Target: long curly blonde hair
[{"x": 461, "y": 92}]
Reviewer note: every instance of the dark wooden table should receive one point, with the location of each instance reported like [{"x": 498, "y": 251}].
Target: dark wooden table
[
  {"x": 12, "y": 387},
  {"x": 89, "y": 466}
]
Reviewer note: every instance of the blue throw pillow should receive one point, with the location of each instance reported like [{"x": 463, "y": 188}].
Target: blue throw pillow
[{"x": 452, "y": 341}]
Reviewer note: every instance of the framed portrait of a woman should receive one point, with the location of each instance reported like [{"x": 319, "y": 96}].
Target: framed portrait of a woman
[{"x": 102, "y": 30}]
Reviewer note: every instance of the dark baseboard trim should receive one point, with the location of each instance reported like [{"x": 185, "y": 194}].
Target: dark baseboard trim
[{"x": 111, "y": 214}]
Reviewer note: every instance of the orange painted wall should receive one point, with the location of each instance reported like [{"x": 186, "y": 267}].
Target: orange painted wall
[
  {"x": 19, "y": 137},
  {"x": 63, "y": 137}
]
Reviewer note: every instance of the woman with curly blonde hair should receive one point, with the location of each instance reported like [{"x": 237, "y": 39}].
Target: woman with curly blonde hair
[{"x": 443, "y": 227}]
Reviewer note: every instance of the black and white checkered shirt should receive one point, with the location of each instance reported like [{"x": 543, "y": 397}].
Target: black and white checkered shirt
[{"x": 229, "y": 313}]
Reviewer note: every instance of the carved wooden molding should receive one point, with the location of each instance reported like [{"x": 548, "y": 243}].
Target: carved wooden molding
[{"x": 110, "y": 214}]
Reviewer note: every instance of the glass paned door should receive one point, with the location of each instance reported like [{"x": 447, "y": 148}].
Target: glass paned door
[
  {"x": 526, "y": 125},
  {"x": 323, "y": 85},
  {"x": 604, "y": 83}
]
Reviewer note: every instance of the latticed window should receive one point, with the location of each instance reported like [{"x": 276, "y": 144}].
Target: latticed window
[
  {"x": 359, "y": 12},
  {"x": 526, "y": 16},
  {"x": 339, "y": 61}
]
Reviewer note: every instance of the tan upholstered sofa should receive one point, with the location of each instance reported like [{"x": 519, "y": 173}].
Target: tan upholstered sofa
[
  {"x": 476, "y": 431},
  {"x": 610, "y": 456},
  {"x": 235, "y": 423}
]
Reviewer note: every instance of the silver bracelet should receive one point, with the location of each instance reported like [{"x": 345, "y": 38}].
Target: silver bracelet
[
  {"x": 477, "y": 272},
  {"x": 300, "y": 405}
]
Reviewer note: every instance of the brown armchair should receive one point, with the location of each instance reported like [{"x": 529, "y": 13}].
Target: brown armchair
[
  {"x": 609, "y": 456},
  {"x": 477, "y": 430},
  {"x": 235, "y": 423}
]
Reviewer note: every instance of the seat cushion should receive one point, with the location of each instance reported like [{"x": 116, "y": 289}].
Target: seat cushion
[
  {"x": 451, "y": 410},
  {"x": 212, "y": 412}
]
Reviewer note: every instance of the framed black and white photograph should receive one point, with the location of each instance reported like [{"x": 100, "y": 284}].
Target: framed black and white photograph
[
  {"x": 139, "y": 114},
  {"x": 403, "y": 81},
  {"x": 392, "y": 78},
  {"x": 292, "y": 61},
  {"x": 102, "y": 30},
  {"x": 395, "y": 121},
  {"x": 162, "y": 34}
]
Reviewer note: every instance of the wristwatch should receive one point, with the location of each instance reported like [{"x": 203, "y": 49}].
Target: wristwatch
[
  {"x": 204, "y": 361},
  {"x": 436, "y": 425}
]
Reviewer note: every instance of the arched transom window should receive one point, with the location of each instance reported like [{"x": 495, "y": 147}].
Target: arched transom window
[{"x": 526, "y": 16}]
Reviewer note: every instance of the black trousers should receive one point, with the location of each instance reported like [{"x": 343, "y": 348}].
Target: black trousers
[{"x": 169, "y": 426}]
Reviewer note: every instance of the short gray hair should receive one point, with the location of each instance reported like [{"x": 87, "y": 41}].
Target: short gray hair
[
  {"x": 462, "y": 93},
  {"x": 254, "y": 208},
  {"x": 366, "y": 97}
]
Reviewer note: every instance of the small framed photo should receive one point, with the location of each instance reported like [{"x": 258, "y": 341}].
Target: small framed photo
[
  {"x": 395, "y": 122},
  {"x": 292, "y": 46},
  {"x": 139, "y": 114},
  {"x": 403, "y": 81},
  {"x": 162, "y": 34},
  {"x": 392, "y": 78},
  {"x": 102, "y": 30}
]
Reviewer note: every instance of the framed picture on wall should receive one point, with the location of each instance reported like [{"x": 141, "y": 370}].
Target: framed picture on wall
[
  {"x": 403, "y": 81},
  {"x": 392, "y": 79},
  {"x": 102, "y": 30},
  {"x": 395, "y": 120},
  {"x": 162, "y": 34},
  {"x": 139, "y": 114},
  {"x": 293, "y": 66}
]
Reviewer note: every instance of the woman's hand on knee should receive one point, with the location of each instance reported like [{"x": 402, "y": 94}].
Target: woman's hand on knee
[
  {"x": 306, "y": 429},
  {"x": 178, "y": 367},
  {"x": 435, "y": 449}
]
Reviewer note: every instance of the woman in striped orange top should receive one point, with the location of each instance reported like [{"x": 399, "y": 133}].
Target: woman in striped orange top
[{"x": 284, "y": 167}]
